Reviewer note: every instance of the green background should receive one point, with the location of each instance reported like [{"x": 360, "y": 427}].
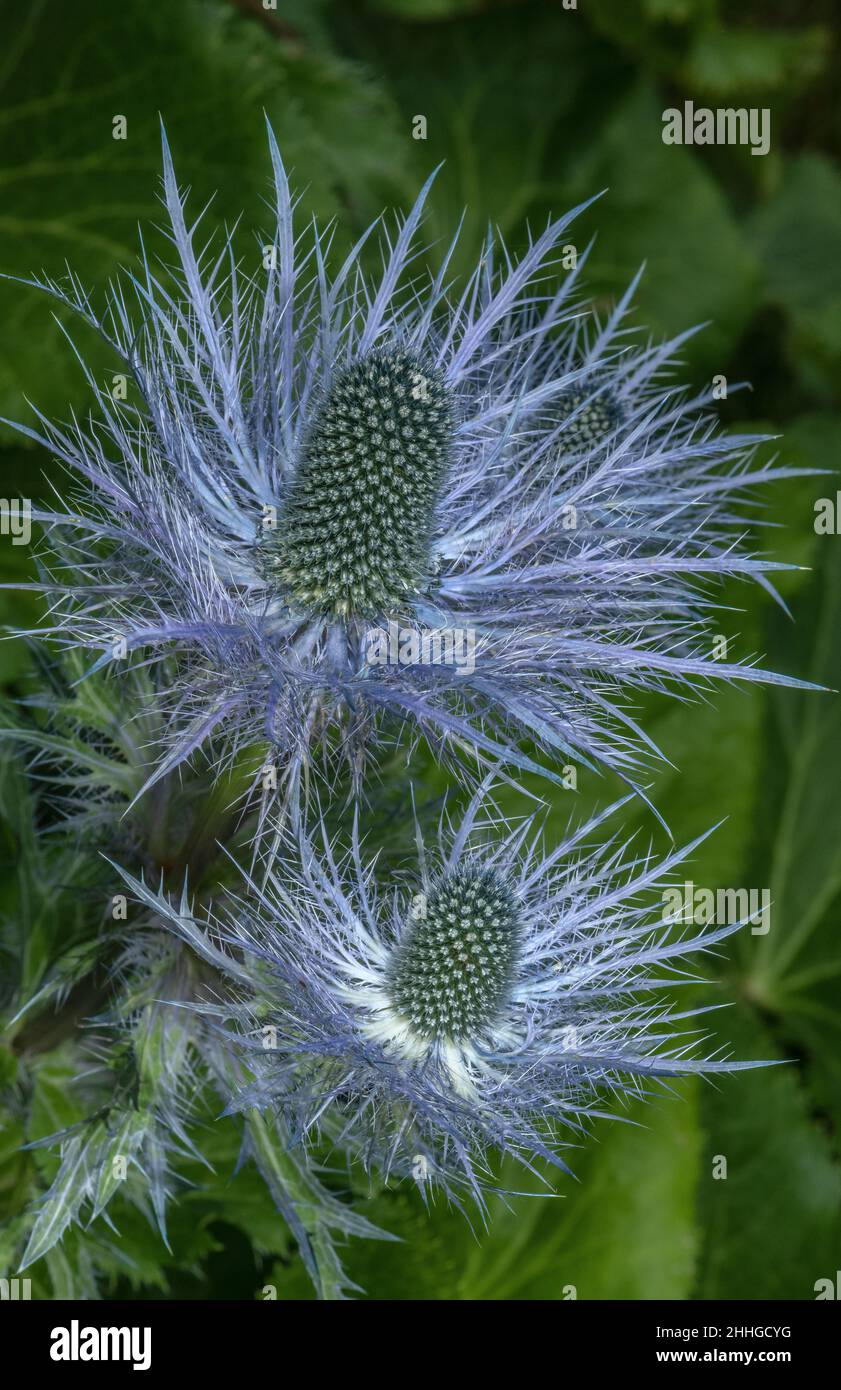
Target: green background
[{"x": 532, "y": 107}]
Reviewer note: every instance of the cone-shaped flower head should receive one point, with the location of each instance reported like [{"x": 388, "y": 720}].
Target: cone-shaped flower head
[
  {"x": 337, "y": 507},
  {"x": 453, "y": 970},
  {"x": 358, "y": 520}
]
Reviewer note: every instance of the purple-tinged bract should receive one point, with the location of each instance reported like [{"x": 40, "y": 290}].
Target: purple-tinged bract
[
  {"x": 493, "y": 997},
  {"x": 512, "y": 490}
]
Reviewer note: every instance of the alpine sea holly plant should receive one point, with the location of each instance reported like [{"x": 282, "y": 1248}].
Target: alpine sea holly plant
[
  {"x": 315, "y": 455},
  {"x": 485, "y": 1003},
  {"x": 310, "y": 456}
]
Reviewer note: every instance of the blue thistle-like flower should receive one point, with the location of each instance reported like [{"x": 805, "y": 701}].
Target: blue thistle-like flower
[
  {"x": 376, "y": 457},
  {"x": 492, "y": 999},
  {"x": 312, "y": 458}
]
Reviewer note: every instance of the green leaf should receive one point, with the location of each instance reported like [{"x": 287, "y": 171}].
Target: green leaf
[
  {"x": 55, "y": 1105},
  {"x": 664, "y": 208},
  {"x": 648, "y": 26},
  {"x": 72, "y": 193},
  {"x": 805, "y": 847},
  {"x": 745, "y": 64},
  {"x": 427, "y": 9},
  {"x": 121, "y": 1147},
  {"x": 797, "y": 234},
  {"x": 771, "y": 1226},
  {"x": 314, "y": 1214},
  {"x": 63, "y": 1202}
]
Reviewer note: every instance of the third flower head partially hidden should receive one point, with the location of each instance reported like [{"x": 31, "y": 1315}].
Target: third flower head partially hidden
[{"x": 335, "y": 509}]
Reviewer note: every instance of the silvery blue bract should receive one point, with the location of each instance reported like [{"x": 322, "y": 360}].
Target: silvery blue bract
[{"x": 318, "y": 457}]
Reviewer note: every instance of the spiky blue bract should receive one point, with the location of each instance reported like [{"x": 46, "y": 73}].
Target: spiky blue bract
[
  {"x": 278, "y": 483},
  {"x": 493, "y": 997}
]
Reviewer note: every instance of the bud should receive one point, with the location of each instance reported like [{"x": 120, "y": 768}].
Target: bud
[{"x": 597, "y": 418}]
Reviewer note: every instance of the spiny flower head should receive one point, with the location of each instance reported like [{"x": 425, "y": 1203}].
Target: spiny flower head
[
  {"x": 490, "y": 998},
  {"x": 311, "y": 456}
]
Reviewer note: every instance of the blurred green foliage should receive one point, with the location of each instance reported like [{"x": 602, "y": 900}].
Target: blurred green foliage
[{"x": 533, "y": 106}]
